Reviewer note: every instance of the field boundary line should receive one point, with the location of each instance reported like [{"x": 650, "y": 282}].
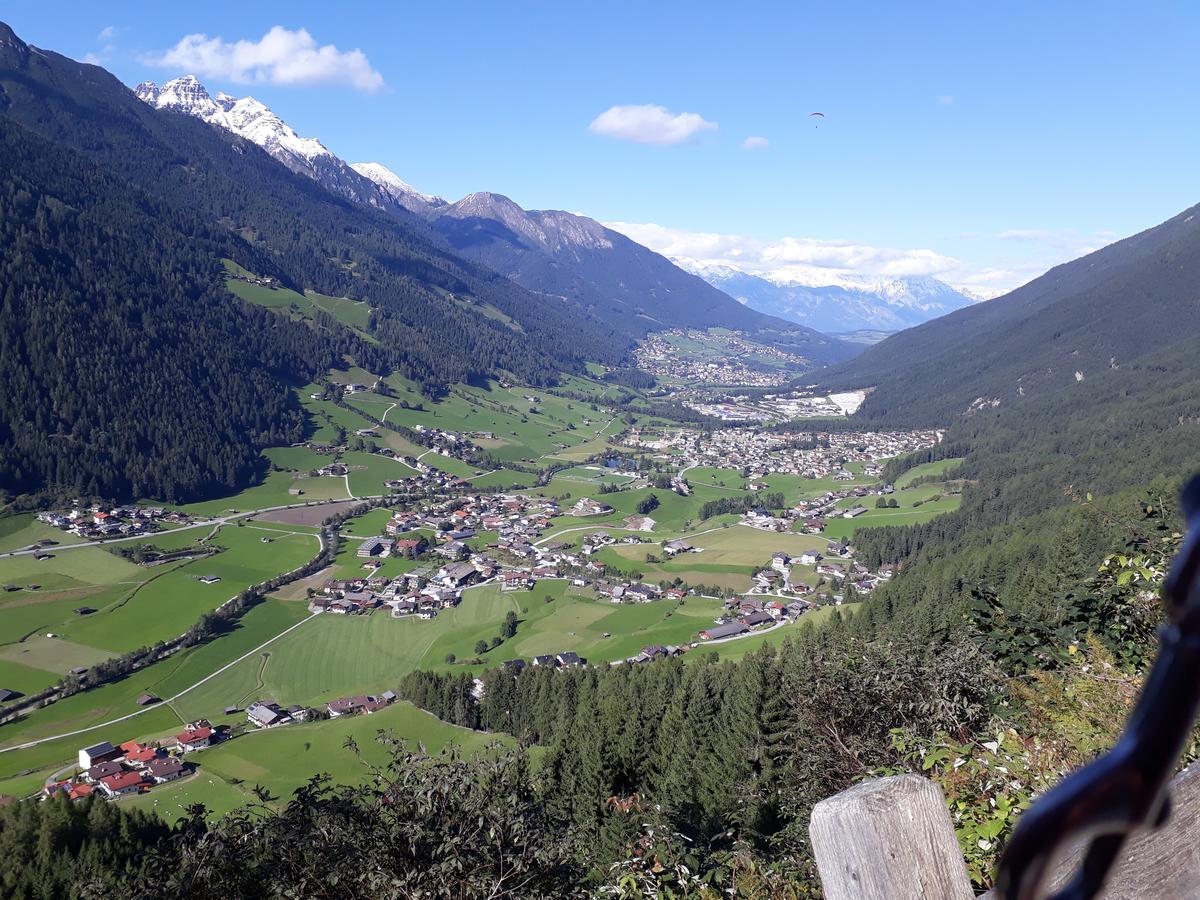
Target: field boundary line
[{"x": 57, "y": 737}]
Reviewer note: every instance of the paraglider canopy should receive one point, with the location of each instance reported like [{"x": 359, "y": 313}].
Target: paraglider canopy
[{"x": 822, "y": 115}]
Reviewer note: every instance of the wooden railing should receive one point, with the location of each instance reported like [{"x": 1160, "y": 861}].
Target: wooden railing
[{"x": 892, "y": 839}]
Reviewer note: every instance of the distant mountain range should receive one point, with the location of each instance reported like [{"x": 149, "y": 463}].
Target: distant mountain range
[
  {"x": 834, "y": 302},
  {"x": 552, "y": 252}
]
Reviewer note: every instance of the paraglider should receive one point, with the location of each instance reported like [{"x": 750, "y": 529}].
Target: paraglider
[{"x": 819, "y": 115}]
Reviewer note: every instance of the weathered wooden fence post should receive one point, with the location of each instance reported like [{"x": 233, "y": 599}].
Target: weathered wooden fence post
[{"x": 888, "y": 839}]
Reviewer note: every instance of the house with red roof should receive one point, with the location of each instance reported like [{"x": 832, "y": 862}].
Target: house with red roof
[
  {"x": 194, "y": 739},
  {"x": 125, "y": 783}
]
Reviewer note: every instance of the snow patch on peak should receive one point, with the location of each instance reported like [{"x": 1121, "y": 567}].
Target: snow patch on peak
[
  {"x": 245, "y": 117},
  {"x": 833, "y": 300},
  {"x": 393, "y": 183}
]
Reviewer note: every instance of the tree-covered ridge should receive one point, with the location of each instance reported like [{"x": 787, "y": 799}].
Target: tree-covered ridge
[
  {"x": 129, "y": 370},
  {"x": 1098, "y": 317},
  {"x": 313, "y": 239}
]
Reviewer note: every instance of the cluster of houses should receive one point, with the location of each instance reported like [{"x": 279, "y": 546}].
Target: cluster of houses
[
  {"x": 749, "y": 613},
  {"x": 109, "y": 771},
  {"x": 658, "y": 356},
  {"x": 761, "y": 452},
  {"x": 410, "y": 594},
  {"x": 776, "y": 577},
  {"x": 568, "y": 659},
  {"x": 811, "y": 516},
  {"x": 97, "y": 521}
]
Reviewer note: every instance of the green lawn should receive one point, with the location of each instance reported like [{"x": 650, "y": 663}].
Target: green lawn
[
  {"x": 282, "y": 759},
  {"x": 730, "y": 556},
  {"x": 353, "y": 314},
  {"x": 117, "y": 698},
  {"x": 19, "y": 531},
  {"x": 938, "y": 467},
  {"x": 915, "y": 506},
  {"x": 338, "y": 655},
  {"x": 136, "y": 606}
]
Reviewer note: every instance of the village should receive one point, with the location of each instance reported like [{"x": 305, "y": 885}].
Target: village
[
  {"x": 738, "y": 361},
  {"x": 452, "y": 538},
  {"x": 97, "y": 521},
  {"x": 817, "y": 454}
]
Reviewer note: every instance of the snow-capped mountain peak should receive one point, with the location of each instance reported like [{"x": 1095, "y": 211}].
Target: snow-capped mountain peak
[
  {"x": 831, "y": 299},
  {"x": 245, "y": 116},
  {"x": 253, "y": 120},
  {"x": 395, "y": 185}
]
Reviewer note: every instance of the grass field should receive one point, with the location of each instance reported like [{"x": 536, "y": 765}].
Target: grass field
[
  {"x": 916, "y": 506},
  {"x": 164, "y": 679},
  {"x": 353, "y": 314},
  {"x": 939, "y": 467},
  {"x": 136, "y": 606},
  {"x": 730, "y": 556},
  {"x": 282, "y": 759},
  {"x": 338, "y": 655},
  {"x": 24, "y": 529}
]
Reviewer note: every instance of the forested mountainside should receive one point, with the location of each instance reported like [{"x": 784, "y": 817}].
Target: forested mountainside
[
  {"x": 140, "y": 374},
  {"x": 314, "y": 239},
  {"x": 129, "y": 371},
  {"x": 1089, "y": 383},
  {"x": 560, "y": 254},
  {"x": 608, "y": 275},
  {"x": 1108, "y": 312}
]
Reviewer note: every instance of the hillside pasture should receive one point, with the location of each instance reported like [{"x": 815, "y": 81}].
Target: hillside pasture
[{"x": 283, "y": 759}]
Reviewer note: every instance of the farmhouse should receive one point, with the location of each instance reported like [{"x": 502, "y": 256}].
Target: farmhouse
[
  {"x": 757, "y": 617},
  {"x": 125, "y": 783},
  {"x": 670, "y": 548},
  {"x": 194, "y": 739},
  {"x": 164, "y": 770},
  {"x": 102, "y": 770},
  {"x": 639, "y": 523},
  {"x": 97, "y": 753},
  {"x": 723, "y": 631},
  {"x": 266, "y": 714},
  {"x": 457, "y": 574},
  {"x": 588, "y": 507},
  {"x": 515, "y": 580}
]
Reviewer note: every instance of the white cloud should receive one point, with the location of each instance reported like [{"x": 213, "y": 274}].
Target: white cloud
[
  {"x": 946, "y": 100},
  {"x": 754, "y": 142},
  {"x": 649, "y": 124},
  {"x": 280, "y": 56},
  {"x": 814, "y": 258},
  {"x": 107, "y": 33}
]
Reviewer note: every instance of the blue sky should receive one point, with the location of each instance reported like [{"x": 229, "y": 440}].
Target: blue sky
[{"x": 978, "y": 142}]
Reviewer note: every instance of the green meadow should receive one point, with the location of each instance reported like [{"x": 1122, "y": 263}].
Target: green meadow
[{"x": 283, "y": 759}]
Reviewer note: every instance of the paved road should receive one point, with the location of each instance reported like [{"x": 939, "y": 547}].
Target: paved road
[{"x": 205, "y": 523}]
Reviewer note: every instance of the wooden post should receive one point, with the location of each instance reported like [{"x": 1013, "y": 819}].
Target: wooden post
[{"x": 888, "y": 839}]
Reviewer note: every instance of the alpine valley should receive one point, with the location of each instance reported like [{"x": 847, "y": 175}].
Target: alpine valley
[{"x": 358, "y": 542}]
